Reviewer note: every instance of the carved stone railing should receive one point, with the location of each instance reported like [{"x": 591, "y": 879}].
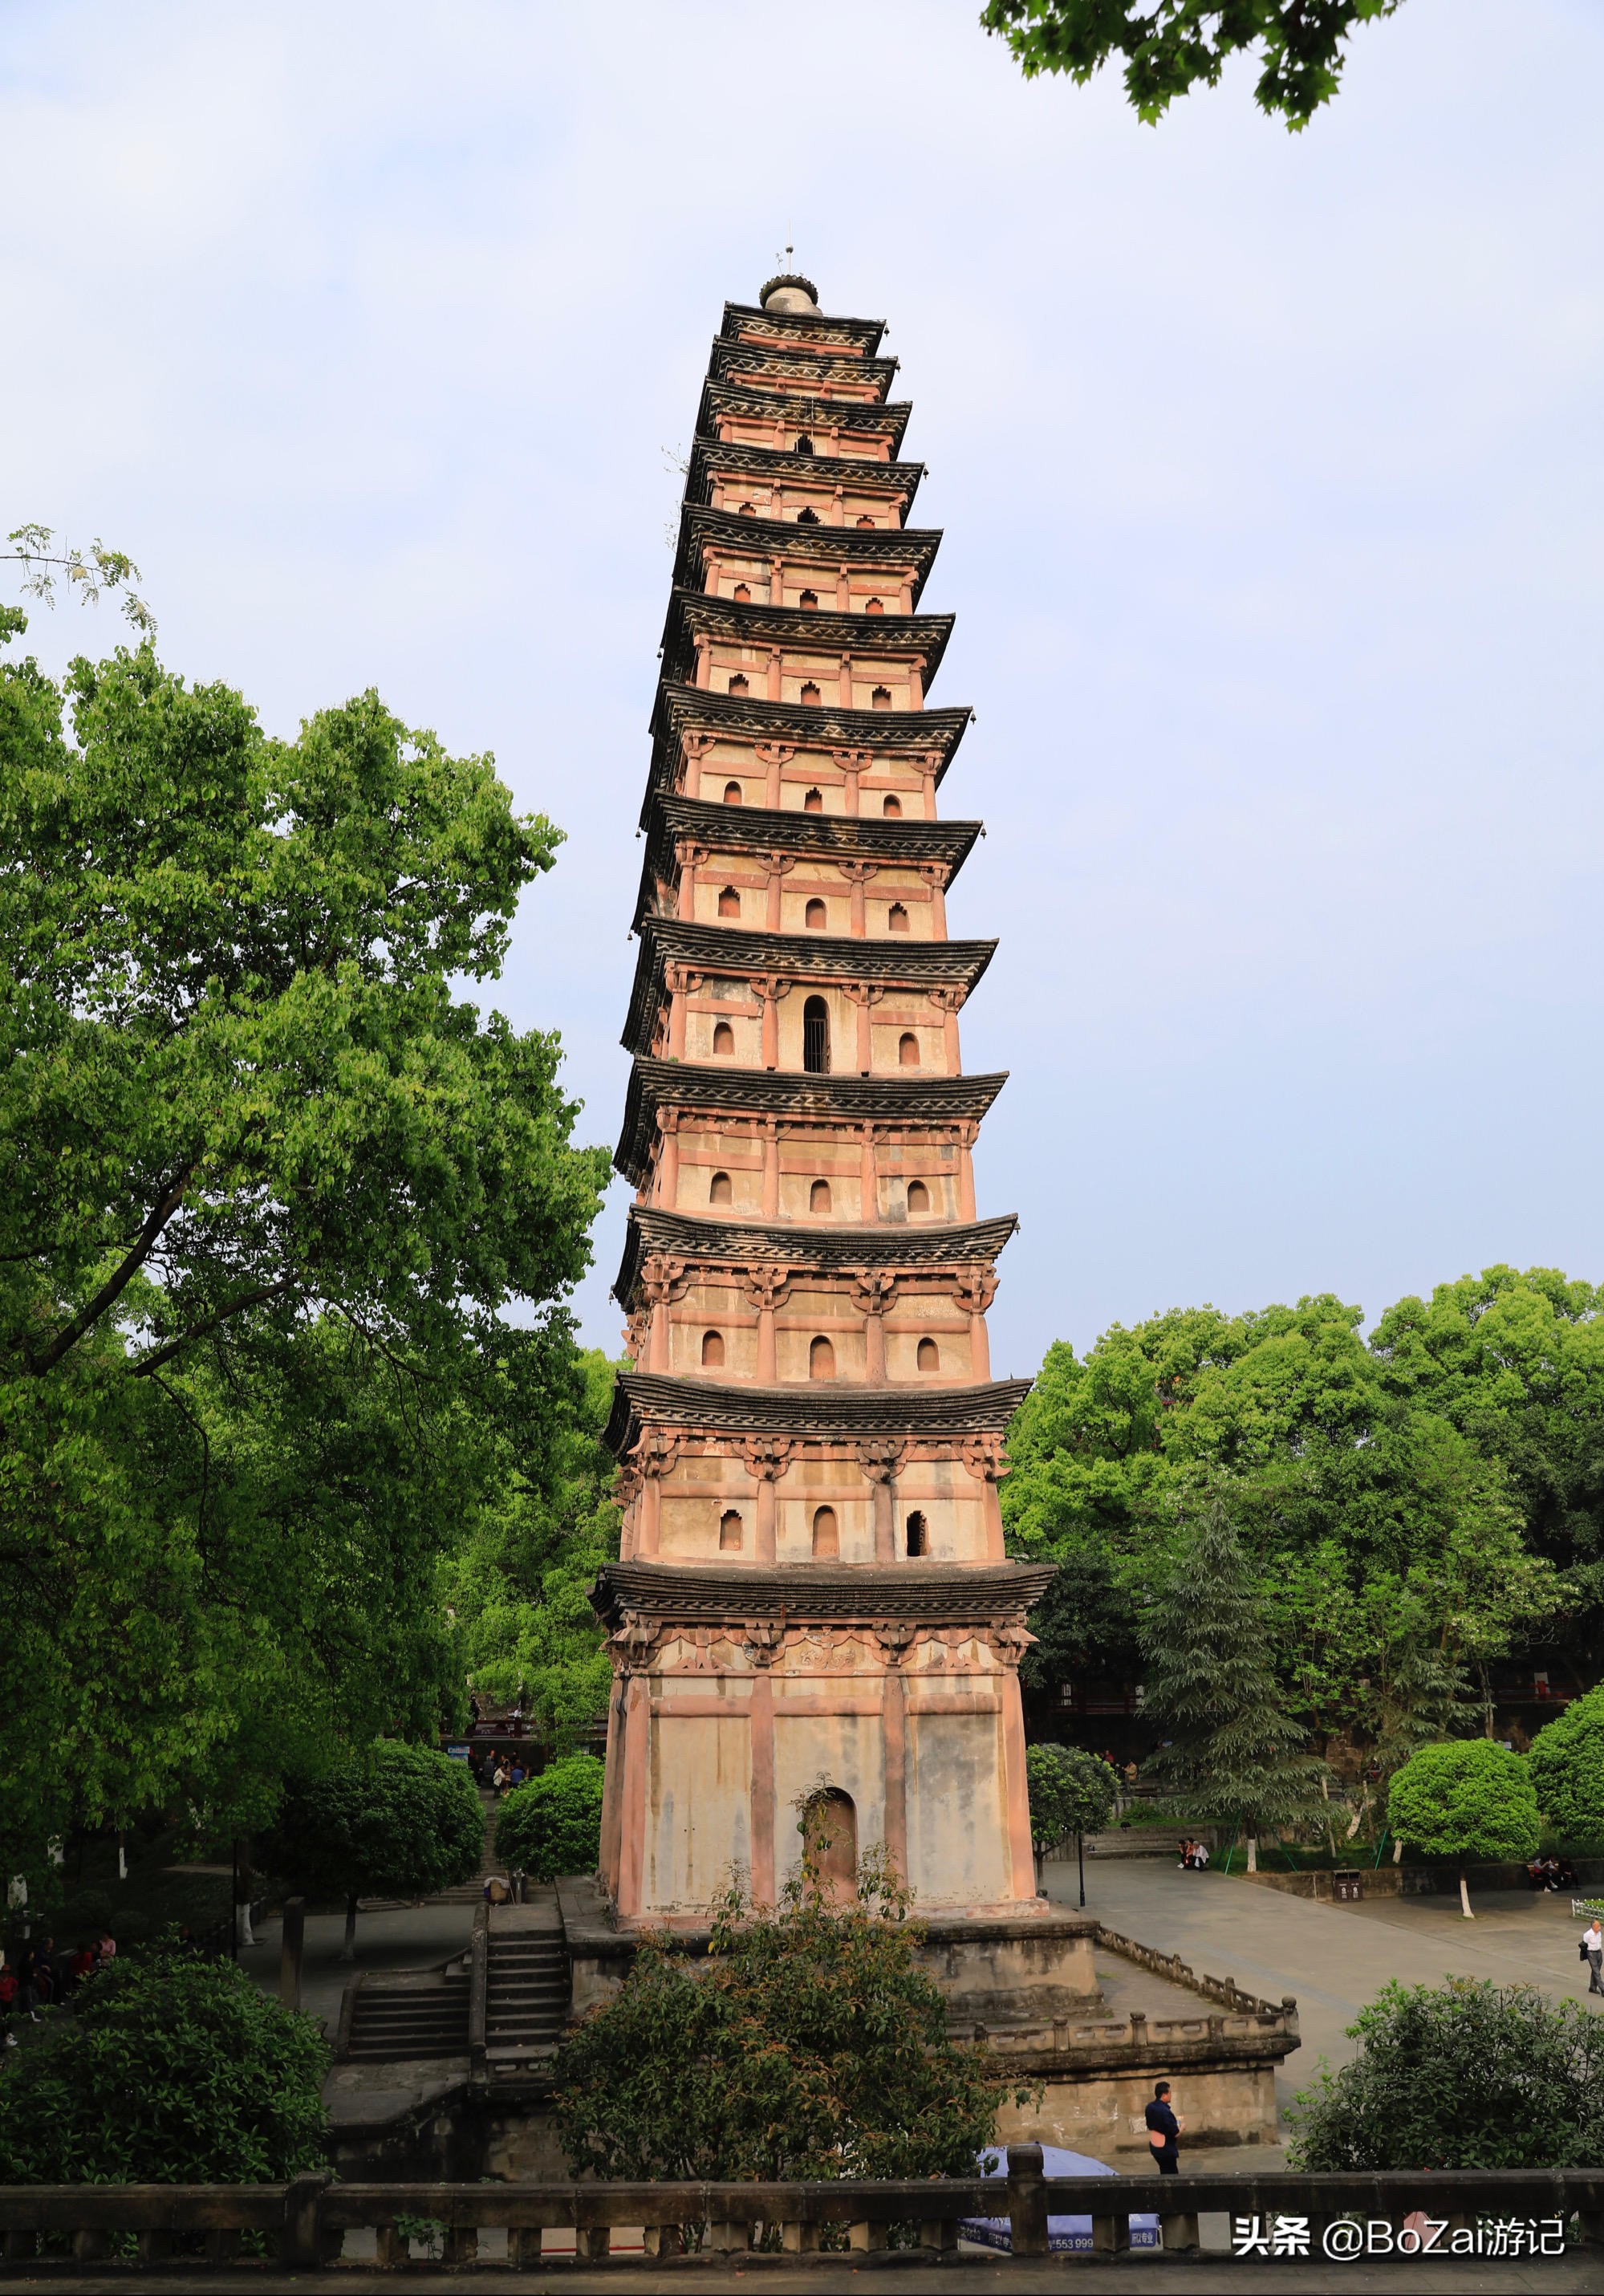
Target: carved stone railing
[
  {"x": 307, "y": 2220},
  {"x": 1225, "y": 1990}
]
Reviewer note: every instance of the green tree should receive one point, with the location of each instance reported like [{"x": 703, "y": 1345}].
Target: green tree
[
  {"x": 404, "y": 1822},
  {"x": 553, "y": 1825},
  {"x": 1472, "y": 1800},
  {"x": 267, "y": 1183},
  {"x": 1467, "y": 2075},
  {"x": 518, "y": 1584},
  {"x": 1171, "y": 45},
  {"x": 1071, "y": 1791},
  {"x": 170, "y": 2070},
  {"x": 1566, "y": 1769},
  {"x": 1234, "y": 1750},
  {"x": 810, "y": 2044}
]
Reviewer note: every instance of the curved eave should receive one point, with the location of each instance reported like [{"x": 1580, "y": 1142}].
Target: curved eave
[
  {"x": 887, "y": 419},
  {"x": 730, "y": 360},
  {"x": 914, "y": 546},
  {"x": 807, "y": 326},
  {"x": 887, "y": 478},
  {"x": 764, "y": 829},
  {"x": 693, "y": 613},
  {"x": 819, "y": 957},
  {"x": 900, "y": 1104},
  {"x": 814, "y": 1409},
  {"x": 826, "y": 1250},
  {"x": 919, "y": 1593}
]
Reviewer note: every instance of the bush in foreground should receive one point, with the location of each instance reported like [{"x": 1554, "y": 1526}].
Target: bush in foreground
[
  {"x": 170, "y": 2071},
  {"x": 809, "y": 2044},
  {"x": 553, "y": 1825},
  {"x": 1468, "y": 2075}
]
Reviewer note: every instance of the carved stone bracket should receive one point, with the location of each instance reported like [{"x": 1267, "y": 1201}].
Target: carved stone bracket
[
  {"x": 985, "y": 1457},
  {"x": 658, "y": 1452},
  {"x": 764, "y": 1288},
  {"x": 663, "y": 1280},
  {"x": 767, "y": 1460},
  {"x": 775, "y": 753},
  {"x": 632, "y": 1642},
  {"x": 881, "y": 1463},
  {"x": 779, "y": 864},
  {"x": 874, "y": 1291},
  {"x": 853, "y": 761},
  {"x": 975, "y": 1289},
  {"x": 859, "y": 872},
  {"x": 773, "y": 987},
  {"x": 896, "y": 1638},
  {"x": 689, "y": 855},
  {"x": 637, "y": 1327},
  {"x": 863, "y": 992},
  {"x": 764, "y": 1641},
  {"x": 1010, "y": 1638},
  {"x": 947, "y": 999}
]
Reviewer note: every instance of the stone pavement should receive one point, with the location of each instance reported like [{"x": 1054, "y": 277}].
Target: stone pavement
[
  {"x": 399, "y": 1937},
  {"x": 1334, "y": 1958}
]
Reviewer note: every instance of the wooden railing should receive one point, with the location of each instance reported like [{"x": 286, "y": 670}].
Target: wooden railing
[{"x": 307, "y": 2221}]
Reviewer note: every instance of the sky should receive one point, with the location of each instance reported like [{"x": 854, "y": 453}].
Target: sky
[{"x": 1269, "y": 472}]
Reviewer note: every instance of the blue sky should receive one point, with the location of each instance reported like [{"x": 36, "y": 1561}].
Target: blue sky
[{"x": 1270, "y": 470}]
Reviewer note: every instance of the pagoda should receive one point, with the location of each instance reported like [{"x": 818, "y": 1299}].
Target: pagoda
[{"x": 813, "y": 1622}]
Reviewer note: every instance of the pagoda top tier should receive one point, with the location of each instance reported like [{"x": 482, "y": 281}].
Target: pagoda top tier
[{"x": 795, "y": 318}]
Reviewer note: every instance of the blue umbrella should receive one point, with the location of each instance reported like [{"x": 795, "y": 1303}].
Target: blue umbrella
[{"x": 1064, "y": 2233}]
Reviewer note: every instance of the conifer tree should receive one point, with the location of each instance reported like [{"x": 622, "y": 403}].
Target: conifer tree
[{"x": 1234, "y": 1750}]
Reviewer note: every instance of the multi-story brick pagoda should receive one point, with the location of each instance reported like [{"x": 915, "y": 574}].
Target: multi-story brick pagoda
[{"x": 813, "y": 1609}]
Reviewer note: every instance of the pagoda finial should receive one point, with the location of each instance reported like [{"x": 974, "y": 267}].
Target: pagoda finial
[{"x": 787, "y": 290}]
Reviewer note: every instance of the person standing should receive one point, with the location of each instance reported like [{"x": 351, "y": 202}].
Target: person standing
[
  {"x": 1164, "y": 2131},
  {"x": 1593, "y": 1947}
]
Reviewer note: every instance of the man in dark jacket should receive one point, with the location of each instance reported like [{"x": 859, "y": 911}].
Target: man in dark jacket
[{"x": 1164, "y": 2131}]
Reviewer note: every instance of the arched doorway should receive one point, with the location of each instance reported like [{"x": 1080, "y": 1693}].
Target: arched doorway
[{"x": 829, "y": 1840}]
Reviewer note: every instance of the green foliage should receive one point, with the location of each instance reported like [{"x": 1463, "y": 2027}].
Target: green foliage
[
  {"x": 1468, "y": 2075},
  {"x": 170, "y": 2070},
  {"x": 402, "y": 1822},
  {"x": 809, "y": 2045},
  {"x": 1469, "y": 1800},
  {"x": 1172, "y": 45},
  {"x": 1071, "y": 1791},
  {"x": 1565, "y": 1766},
  {"x": 1234, "y": 1750},
  {"x": 553, "y": 1825},
  {"x": 517, "y": 1583},
  {"x": 268, "y": 1183}
]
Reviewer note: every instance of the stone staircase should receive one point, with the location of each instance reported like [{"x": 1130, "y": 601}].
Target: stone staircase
[
  {"x": 472, "y": 1892},
  {"x": 420, "y": 2016},
  {"x": 526, "y": 1987}
]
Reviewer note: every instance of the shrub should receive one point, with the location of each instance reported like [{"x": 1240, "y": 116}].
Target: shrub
[
  {"x": 810, "y": 2043},
  {"x": 1470, "y": 1799},
  {"x": 1469, "y": 2075},
  {"x": 171, "y": 2071},
  {"x": 1567, "y": 1765},
  {"x": 1071, "y": 1791},
  {"x": 553, "y": 1825}
]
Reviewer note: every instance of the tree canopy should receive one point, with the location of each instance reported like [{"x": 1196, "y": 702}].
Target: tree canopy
[
  {"x": 1467, "y": 2075},
  {"x": 396, "y": 1822},
  {"x": 1071, "y": 1791},
  {"x": 1567, "y": 1767},
  {"x": 553, "y": 1825},
  {"x": 1170, "y": 46},
  {"x": 810, "y": 2044},
  {"x": 1469, "y": 1800},
  {"x": 268, "y": 1181}
]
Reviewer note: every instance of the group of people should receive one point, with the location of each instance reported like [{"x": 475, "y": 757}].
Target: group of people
[
  {"x": 1194, "y": 1855},
  {"x": 36, "y": 1977},
  {"x": 500, "y": 1772},
  {"x": 1548, "y": 1873}
]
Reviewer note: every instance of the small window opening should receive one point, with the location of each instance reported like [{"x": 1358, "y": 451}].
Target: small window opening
[
  {"x": 896, "y": 917},
  {"x": 720, "y": 1190},
  {"x": 729, "y": 1533},
  {"x": 826, "y": 1533},
  {"x": 929, "y": 1354},
  {"x": 713, "y": 1351},
  {"x": 729, "y": 903},
  {"x": 892, "y": 807},
  {"x": 746, "y": 510},
  {"x": 733, "y": 793},
  {"x": 818, "y": 1196},
  {"x": 830, "y": 1844},
  {"x": 742, "y": 595},
  {"x": 724, "y": 1041},
  {"x": 738, "y": 685},
  {"x": 918, "y": 1534},
  {"x": 804, "y": 444},
  {"x": 815, "y": 1037},
  {"x": 820, "y": 1358},
  {"x": 810, "y": 694},
  {"x": 919, "y": 1200},
  {"x": 880, "y": 699},
  {"x": 814, "y": 803},
  {"x": 865, "y": 520},
  {"x": 809, "y": 602},
  {"x": 816, "y": 916},
  {"x": 807, "y": 518},
  {"x": 873, "y": 606},
  {"x": 907, "y": 1049}
]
